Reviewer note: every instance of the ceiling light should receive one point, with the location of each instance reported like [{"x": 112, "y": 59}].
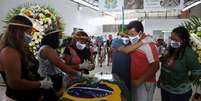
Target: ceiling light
[
  {"x": 84, "y": 3},
  {"x": 191, "y": 5}
]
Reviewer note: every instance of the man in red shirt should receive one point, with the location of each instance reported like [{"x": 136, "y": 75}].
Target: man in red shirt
[{"x": 144, "y": 64}]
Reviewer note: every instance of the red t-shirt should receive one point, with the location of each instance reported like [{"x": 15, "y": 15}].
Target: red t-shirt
[{"x": 141, "y": 60}]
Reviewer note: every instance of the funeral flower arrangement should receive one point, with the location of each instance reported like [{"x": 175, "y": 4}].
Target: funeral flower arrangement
[
  {"x": 193, "y": 24},
  {"x": 43, "y": 17},
  {"x": 194, "y": 27}
]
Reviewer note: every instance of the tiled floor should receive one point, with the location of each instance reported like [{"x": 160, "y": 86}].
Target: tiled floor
[{"x": 2, "y": 89}]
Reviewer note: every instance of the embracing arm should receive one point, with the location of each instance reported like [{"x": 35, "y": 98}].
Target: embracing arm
[
  {"x": 52, "y": 56},
  {"x": 130, "y": 48},
  {"x": 10, "y": 60}
]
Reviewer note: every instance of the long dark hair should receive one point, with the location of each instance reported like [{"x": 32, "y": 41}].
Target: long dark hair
[
  {"x": 14, "y": 35},
  {"x": 184, "y": 35},
  {"x": 51, "y": 40}
]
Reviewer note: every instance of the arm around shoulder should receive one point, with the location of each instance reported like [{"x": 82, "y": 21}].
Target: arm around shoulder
[{"x": 128, "y": 49}]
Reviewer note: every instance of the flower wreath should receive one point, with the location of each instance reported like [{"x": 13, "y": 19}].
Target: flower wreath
[{"x": 44, "y": 20}]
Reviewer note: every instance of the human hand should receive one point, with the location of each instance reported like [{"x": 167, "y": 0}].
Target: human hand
[
  {"x": 114, "y": 49},
  {"x": 84, "y": 65},
  {"x": 91, "y": 65},
  {"x": 81, "y": 75},
  {"x": 120, "y": 48},
  {"x": 136, "y": 83},
  {"x": 87, "y": 65},
  {"x": 147, "y": 40},
  {"x": 86, "y": 76},
  {"x": 46, "y": 83}
]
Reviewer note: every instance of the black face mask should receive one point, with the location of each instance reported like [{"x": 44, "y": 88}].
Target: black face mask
[
  {"x": 51, "y": 40},
  {"x": 55, "y": 43}
]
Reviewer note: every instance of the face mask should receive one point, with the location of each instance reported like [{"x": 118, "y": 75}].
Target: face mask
[
  {"x": 134, "y": 39},
  {"x": 118, "y": 36},
  {"x": 27, "y": 38},
  {"x": 80, "y": 46},
  {"x": 175, "y": 44},
  {"x": 125, "y": 40},
  {"x": 60, "y": 42}
]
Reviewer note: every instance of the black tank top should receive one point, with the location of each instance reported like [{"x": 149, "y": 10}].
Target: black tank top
[{"x": 28, "y": 73}]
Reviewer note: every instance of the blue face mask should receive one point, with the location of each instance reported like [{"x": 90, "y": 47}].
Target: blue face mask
[
  {"x": 27, "y": 38},
  {"x": 175, "y": 44},
  {"x": 134, "y": 39}
]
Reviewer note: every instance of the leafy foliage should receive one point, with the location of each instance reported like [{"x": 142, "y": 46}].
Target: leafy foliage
[{"x": 192, "y": 24}]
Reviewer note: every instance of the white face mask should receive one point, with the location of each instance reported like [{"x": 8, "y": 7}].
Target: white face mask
[
  {"x": 27, "y": 38},
  {"x": 118, "y": 36},
  {"x": 60, "y": 42},
  {"x": 80, "y": 46},
  {"x": 175, "y": 44},
  {"x": 134, "y": 39},
  {"x": 125, "y": 40}
]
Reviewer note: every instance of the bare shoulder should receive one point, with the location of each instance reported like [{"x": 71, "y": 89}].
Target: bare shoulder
[
  {"x": 7, "y": 53},
  {"x": 47, "y": 51}
]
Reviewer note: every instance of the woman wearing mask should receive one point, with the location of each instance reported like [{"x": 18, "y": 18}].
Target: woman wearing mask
[
  {"x": 78, "y": 53},
  {"x": 180, "y": 59},
  {"x": 19, "y": 73},
  {"x": 50, "y": 64}
]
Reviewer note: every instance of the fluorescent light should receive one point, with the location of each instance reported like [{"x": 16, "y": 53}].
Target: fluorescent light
[
  {"x": 86, "y": 4},
  {"x": 191, "y": 5}
]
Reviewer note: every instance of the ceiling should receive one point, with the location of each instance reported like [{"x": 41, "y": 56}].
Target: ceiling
[{"x": 141, "y": 13}]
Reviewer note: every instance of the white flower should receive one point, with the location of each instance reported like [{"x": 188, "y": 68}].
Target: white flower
[
  {"x": 41, "y": 33},
  {"x": 41, "y": 22},
  {"x": 49, "y": 21},
  {"x": 38, "y": 27},
  {"x": 47, "y": 11},
  {"x": 45, "y": 26},
  {"x": 41, "y": 15}
]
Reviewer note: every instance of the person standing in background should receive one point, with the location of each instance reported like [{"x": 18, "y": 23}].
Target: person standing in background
[{"x": 109, "y": 49}]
